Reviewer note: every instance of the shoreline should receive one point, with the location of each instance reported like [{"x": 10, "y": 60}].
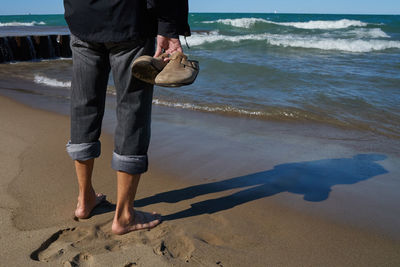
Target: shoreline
[
  {"x": 14, "y": 85},
  {"x": 205, "y": 173},
  {"x": 52, "y": 78},
  {"x": 190, "y": 135}
]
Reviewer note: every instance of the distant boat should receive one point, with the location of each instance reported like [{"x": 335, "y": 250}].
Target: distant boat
[{"x": 275, "y": 12}]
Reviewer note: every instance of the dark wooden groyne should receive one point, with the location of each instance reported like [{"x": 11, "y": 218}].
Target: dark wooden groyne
[{"x": 25, "y": 48}]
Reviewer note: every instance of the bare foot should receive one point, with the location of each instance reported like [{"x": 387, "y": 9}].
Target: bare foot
[
  {"x": 83, "y": 209},
  {"x": 142, "y": 220}
]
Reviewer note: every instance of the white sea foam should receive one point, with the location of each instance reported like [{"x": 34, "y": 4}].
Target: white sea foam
[
  {"x": 231, "y": 110},
  {"x": 226, "y": 109},
  {"x": 360, "y": 33},
  {"x": 203, "y": 38},
  {"x": 325, "y": 24},
  {"x": 313, "y": 24},
  {"x": 346, "y": 45},
  {"x": 15, "y": 23},
  {"x": 369, "y": 33},
  {"x": 51, "y": 82},
  {"x": 287, "y": 40},
  {"x": 240, "y": 23}
]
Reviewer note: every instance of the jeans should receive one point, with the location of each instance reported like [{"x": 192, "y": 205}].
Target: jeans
[{"x": 92, "y": 63}]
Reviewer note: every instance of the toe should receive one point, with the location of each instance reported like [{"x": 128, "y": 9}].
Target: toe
[{"x": 154, "y": 223}]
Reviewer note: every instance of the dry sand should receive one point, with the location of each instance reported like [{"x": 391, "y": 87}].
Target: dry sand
[{"x": 206, "y": 222}]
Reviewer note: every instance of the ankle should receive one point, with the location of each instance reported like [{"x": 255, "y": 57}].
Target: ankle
[
  {"x": 121, "y": 222},
  {"x": 124, "y": 216},
  {"x": 87, "y": 196}
]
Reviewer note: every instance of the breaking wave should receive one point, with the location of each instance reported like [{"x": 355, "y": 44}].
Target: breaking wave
[
  {"x": 51, "y": 82},
  {"x": 216, "y": 109},
  {"x": 313, "y": 24},
  {"x": 325, "y": 24},
  {"x": 360, "y": 33},
  {"x": 212, "y": 37},
  {"x": 346, "y": 45},
  {"x": 240, "y": 23},
  {"x": 287, "y": 40},
  {"x": 15, "y": 23}
]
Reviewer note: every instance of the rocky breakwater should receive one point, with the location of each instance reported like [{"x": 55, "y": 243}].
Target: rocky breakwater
[{"x": 24, "y": 48}]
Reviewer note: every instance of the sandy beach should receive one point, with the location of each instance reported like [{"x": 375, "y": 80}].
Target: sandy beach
[{"x": 232, "y": 192}]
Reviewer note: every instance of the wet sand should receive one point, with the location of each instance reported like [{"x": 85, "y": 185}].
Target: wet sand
[{"x": 233, "y": 192}]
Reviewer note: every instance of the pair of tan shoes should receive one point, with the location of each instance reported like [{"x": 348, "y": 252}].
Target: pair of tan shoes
[{"x": 178, "y": 71}]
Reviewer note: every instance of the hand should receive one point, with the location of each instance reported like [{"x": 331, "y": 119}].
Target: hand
[{"x": 169, "y": 45}]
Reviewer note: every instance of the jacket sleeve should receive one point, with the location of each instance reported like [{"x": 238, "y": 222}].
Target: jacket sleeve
[{"x": 172, "y": 17}]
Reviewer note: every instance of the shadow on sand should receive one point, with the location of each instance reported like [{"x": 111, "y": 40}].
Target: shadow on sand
[{"x": 312, "y": 179}]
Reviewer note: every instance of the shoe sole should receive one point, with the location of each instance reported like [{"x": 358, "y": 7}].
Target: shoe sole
[
  {"x": 145, "y": 71},
  {"x": 181, "y": 84},
  {"x": 176, "y": 84}
]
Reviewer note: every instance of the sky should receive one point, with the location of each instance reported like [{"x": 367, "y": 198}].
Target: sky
[{"x": 13, "y": 7}]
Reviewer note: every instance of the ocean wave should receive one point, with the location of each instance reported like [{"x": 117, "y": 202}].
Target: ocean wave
[
  {"x": 373, "y": 33},
  {"x": 240, "y": 23},
  {"x": 191, "y": 106},
  {"x": 369, "y": 33},
  {"x": 271, "y": 113},
  {"x": 212, "y": 37},
  {"x": 310, "y": 25},
  {"x": 15, "y": 23},
  {"x": 51, "y": 82},
  {"x": 287, "y": 40},
  {"x": 325, "y": 24},
  {"x": 346, "y": 45},
  {"x": 283, "y": 114}
]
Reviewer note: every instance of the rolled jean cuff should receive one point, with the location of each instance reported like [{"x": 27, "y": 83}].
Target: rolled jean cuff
[
  {"x": 84, "y": 151},
  {"x": 129, "y": 163}
]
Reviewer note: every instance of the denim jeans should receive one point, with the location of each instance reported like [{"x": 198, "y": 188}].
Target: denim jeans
[{"x": 92, "y": 63}]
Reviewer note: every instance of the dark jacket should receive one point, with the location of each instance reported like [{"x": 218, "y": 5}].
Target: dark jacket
[{"x": 124, "y": 20}]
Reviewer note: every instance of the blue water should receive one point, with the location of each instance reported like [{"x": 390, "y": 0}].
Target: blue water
[{"x": 341, "y": 70}]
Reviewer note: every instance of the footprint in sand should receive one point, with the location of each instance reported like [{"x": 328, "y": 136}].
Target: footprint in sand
[
  {"x": 171, "y": 242},
  {"x": 77, "y": 246},
  {"x": 79, "y": 260}
]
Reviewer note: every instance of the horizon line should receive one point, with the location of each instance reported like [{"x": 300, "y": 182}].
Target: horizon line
[{"x": 227, "y": 12}]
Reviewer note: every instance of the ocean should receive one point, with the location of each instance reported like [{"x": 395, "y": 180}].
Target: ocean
[{"x": 339, "y": 70}]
